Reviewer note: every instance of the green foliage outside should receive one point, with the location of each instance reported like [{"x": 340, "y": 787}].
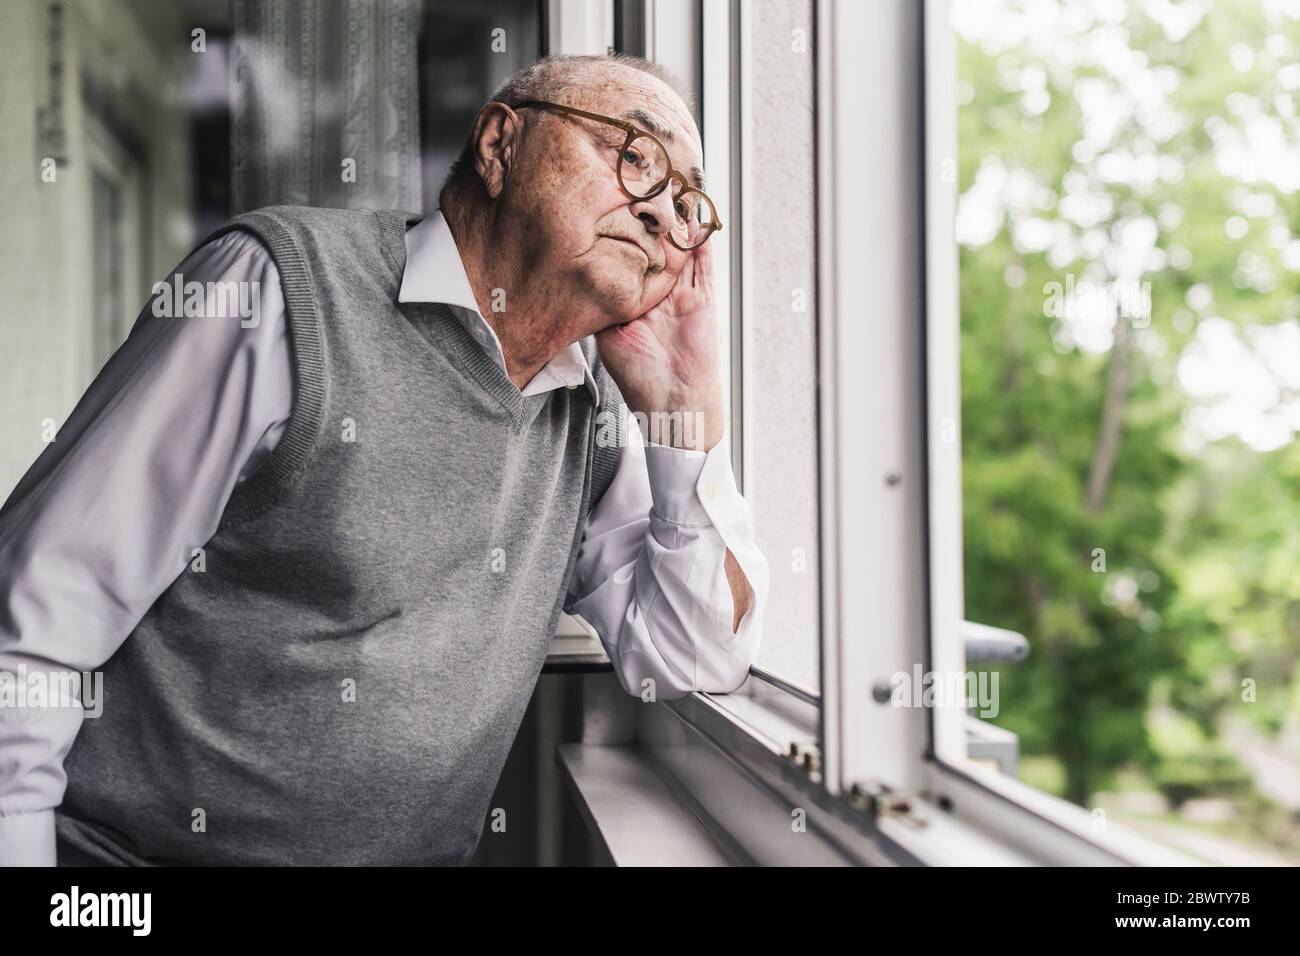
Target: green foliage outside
[{"x": 1076, "y": 455}]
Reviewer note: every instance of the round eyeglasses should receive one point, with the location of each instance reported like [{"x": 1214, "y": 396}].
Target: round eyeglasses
[{"x": 644, "y": 171}]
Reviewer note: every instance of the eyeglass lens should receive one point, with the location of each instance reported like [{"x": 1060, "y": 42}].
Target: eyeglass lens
[{"x": 643, "y": 166}]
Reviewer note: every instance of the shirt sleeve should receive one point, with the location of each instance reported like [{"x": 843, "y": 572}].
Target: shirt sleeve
[
  {"x": 109, "y": 514},
  {"x": 650, "y": 576}
]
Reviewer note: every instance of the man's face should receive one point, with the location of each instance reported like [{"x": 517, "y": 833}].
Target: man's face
[{"x": 582, "y": 228}]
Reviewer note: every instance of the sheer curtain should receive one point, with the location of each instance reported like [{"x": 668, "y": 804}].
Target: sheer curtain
[{"x": 325, "y": 104}]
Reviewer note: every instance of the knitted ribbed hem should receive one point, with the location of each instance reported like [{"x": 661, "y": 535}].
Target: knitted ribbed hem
[
  {"x": 303, "y": 316},
  {"x": 471, "y": 357},
  {"x": 392, "y": 230}
]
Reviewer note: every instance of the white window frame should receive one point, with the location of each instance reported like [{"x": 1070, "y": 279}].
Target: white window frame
[
  {"x": 870, "y": 310},
  {"x": 890, "y": 326}
]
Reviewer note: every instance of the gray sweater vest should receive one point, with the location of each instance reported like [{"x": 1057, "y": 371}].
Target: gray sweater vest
[{"x": 341, "y": 684}]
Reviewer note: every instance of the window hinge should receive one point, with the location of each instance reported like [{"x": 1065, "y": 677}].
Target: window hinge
[{"x": 880, "y": 801}]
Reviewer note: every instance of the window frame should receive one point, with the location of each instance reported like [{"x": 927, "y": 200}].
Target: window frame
[{"x": 874, "y": 575}]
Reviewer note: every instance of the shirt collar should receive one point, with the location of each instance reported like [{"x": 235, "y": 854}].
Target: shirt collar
[{"x": 435, "y": 273}]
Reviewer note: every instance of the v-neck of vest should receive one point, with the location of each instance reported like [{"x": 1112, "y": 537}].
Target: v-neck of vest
[
  {"x": 476, "y": 362},
  {"x": 458, "y": 343}
]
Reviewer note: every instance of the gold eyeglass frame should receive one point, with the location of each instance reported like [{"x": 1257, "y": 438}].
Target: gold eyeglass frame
[{"x": 633, "y": 133}]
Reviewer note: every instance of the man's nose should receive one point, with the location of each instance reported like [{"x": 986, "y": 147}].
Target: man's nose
[{"x": 656, "y": 212}]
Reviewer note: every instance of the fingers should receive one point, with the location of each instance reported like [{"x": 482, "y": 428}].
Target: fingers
[{"x": 702, "y": 268}]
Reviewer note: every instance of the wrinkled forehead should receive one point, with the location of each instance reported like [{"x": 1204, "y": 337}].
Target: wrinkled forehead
[{"x": 637, "y": 97}]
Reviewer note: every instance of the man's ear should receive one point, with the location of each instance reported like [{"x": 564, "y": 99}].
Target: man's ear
[{"x": 496, "y": 140}]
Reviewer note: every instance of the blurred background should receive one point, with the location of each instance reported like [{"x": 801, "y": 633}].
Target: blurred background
[{"x": 1130, "y": 263}]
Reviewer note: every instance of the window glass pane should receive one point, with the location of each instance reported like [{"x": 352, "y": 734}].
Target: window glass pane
[
  {"x": 1130, "y": 370},
  {"x": 780, "y": 433}
]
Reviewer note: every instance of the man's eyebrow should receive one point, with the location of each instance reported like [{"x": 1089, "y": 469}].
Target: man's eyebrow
[{"x": 647, "y": 122}]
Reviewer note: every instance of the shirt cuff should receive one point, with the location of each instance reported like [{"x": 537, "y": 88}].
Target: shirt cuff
[
  {"x": 27, "y": 839},
  {"x": 696, "y": 487},
  {"x": 674, "y": 474}
]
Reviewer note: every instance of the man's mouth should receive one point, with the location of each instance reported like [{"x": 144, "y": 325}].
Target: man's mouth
[{"x": 632, "y": 244}]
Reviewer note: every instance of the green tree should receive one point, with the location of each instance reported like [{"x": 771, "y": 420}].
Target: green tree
[{"x": 1104, "y": 150}]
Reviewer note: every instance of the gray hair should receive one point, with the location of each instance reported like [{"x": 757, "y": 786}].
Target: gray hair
[{"x": 550, "y": 78}]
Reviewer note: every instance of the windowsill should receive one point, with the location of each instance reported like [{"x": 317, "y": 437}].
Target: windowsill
[
  {"x": 631, "y": 812},
  {"x": 710, "y": 780},
  {"x": 710, "y": 783}
]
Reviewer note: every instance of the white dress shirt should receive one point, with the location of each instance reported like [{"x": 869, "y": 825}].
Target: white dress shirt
[{"x": 100, "y": 525}]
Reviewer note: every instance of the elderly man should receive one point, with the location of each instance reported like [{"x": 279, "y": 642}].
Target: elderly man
[{"x": 320, "y": 556}]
